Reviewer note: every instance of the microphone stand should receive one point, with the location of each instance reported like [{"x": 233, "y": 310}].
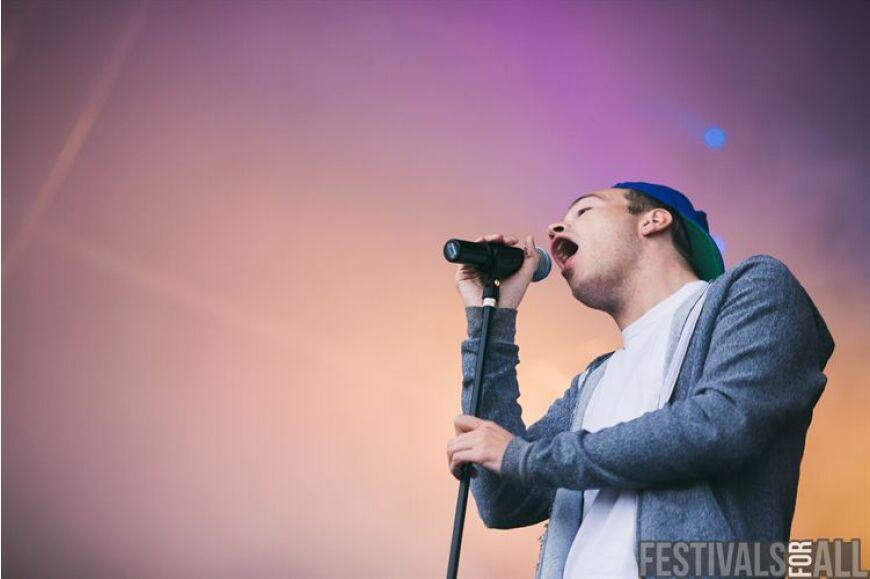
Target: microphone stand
[{"x": 490, "y": 296}]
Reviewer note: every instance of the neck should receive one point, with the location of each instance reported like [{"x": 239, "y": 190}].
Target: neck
[{"x": 648, "y": 285}]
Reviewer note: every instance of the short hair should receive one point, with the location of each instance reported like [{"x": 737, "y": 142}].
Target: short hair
[{"x": 638, "y": 202}]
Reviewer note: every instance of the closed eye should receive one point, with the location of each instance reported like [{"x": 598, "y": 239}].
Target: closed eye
[{"x": 582, "y": 211}]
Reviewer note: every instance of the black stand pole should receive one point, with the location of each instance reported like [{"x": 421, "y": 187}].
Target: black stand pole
[{"x": 490, "y": 296}]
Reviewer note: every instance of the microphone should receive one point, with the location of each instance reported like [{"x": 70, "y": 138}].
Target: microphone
[{"x": 495, "y": 259}]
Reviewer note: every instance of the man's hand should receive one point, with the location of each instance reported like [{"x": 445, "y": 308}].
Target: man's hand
[
  {"x": 479, "y": 441},
  {"x": 469, "y": 282}
]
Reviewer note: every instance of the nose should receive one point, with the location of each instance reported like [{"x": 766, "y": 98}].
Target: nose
[{"x": 554, "y": 229}]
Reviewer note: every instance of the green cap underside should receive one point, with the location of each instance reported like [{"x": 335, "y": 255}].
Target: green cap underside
[{"x": 705, "y": 254}]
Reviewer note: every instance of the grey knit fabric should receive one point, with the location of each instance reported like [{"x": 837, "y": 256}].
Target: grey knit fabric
[{"x": 719, "y": 462}]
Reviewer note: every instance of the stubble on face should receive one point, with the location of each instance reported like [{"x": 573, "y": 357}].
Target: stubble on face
[{"x": 611, "y": 253}]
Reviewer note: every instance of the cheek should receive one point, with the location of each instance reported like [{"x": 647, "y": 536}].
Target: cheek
[
  {"x": 613, "y": 233},
  {"x": 597, "y": 237},
  {"x": 603, "y": 246}
]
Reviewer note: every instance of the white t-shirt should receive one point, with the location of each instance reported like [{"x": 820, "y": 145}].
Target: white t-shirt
[{"x": 633, "y": 378}]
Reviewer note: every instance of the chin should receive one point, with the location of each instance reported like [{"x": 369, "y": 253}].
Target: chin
[
  {"x": 580, "y": 295},
  {"x": 579, "y": 289},
  {"x": 589, "y": 292}
]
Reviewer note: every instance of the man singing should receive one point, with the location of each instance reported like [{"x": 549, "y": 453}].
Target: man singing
[{"x": 692, "y": 431}]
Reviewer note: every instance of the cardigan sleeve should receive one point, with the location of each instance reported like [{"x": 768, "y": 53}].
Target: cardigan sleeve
[
  {"x": 506, "y": 503},
  {"x": 763, "y": 370}
]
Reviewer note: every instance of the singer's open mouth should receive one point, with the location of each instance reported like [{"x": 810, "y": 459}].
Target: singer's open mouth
[{"x": 563, "y": 249}]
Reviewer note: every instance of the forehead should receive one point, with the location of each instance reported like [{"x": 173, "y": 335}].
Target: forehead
[{"x": 600, "y": 196}]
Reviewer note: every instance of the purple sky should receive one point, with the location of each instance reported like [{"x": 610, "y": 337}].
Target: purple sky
[{"x": 230, "y": 341}]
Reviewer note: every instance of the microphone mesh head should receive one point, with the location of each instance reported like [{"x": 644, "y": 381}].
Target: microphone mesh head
[{"x": 544, "y": 265}]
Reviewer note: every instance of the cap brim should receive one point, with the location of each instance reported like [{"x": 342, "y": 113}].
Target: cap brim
[{"x": 705, "y": 253}]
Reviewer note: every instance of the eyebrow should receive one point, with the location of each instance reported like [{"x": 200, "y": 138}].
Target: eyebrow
[{"x": 573, "y": 203}]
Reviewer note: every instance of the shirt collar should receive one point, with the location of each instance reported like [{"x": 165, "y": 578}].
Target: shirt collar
[{"x": 665, "y": 307}]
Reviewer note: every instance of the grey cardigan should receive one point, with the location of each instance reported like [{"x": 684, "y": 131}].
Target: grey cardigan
[{"x": 719, "y": 462}]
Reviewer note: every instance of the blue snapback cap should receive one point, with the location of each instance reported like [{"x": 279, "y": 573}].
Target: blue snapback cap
[{"x": 705, "y": 255}]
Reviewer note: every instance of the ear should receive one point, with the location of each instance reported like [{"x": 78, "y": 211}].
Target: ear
[{"x": 654, "y": 221}]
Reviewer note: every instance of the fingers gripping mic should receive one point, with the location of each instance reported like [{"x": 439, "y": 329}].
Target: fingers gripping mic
[{"x": 494, "y": 259}]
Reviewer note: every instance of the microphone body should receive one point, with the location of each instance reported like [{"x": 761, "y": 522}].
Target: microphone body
[{"x": 495, "y": 259}]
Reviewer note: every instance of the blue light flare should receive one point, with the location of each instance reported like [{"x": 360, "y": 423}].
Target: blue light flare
[{"x": 714, "y": 137}]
